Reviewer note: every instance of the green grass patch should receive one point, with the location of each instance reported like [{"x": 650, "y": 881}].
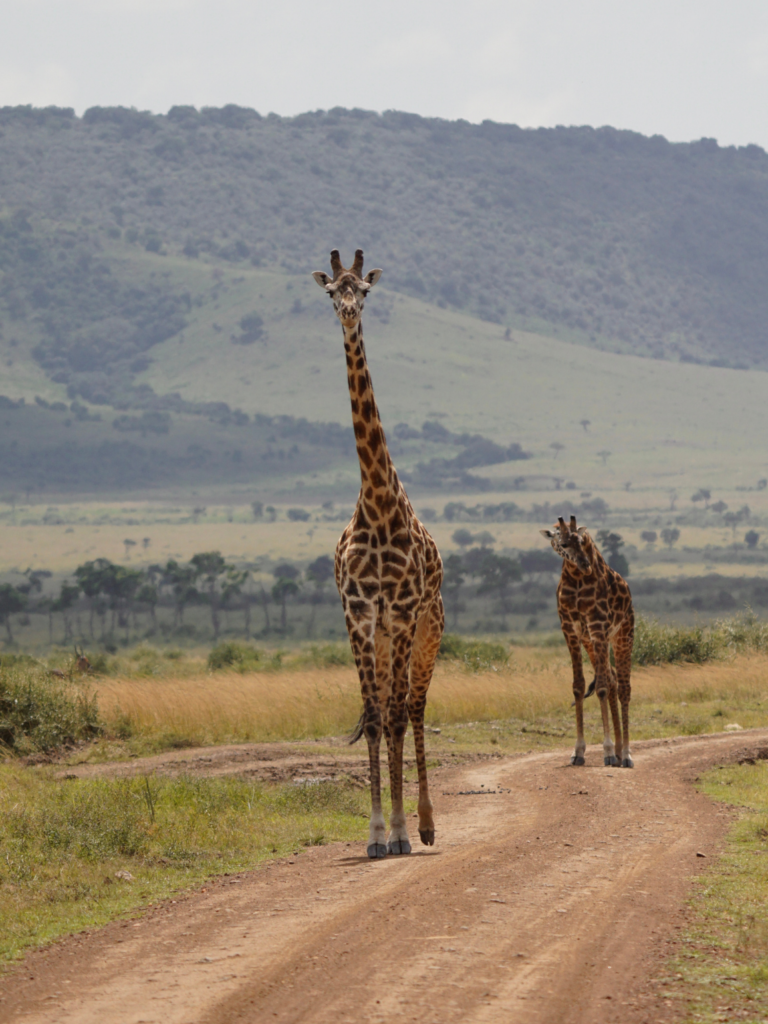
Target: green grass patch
[
  {"x": 657, "y": 644},
  {"x": 41, "y": 713},
  {"x": 63, "y": 841},
  {"x": 239, "y": 658},
  {"x": 722, "y": 972},
  {"x": 475, "y": 655}
]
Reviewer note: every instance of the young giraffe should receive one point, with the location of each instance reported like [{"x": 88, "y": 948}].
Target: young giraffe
[
  {"x": 389, "y": 573},
  {"x": 595, "y": 608}
]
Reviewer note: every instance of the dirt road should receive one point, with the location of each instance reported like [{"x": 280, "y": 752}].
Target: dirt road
[{"x": 553, "y": 895}]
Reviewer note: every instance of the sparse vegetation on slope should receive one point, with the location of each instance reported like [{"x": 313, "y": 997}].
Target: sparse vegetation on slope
[{"x": 622, "y": 239}]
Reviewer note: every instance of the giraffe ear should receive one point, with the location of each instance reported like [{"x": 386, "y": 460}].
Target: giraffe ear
[
  {"x": 322, "y": 278},
  {"x": 372, "y": 277},
  {"x": 547, "y": 533},
  {"x": 581, "y": 531}
]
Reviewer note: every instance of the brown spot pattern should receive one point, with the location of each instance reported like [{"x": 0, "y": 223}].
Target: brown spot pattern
[{"x": 389, "y": 573}]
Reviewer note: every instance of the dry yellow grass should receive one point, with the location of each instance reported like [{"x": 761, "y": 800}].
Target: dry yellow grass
[{"x": 313, "y": 703}]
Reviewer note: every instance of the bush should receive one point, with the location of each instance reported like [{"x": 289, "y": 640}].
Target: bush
[
  {"x": 476, "y": 655},
  {"x": 657, "y": 645},
  {"x": 38, "y": 713},
  {"x": 329, "y": 655},
  {"x": 229, "y": 654}
]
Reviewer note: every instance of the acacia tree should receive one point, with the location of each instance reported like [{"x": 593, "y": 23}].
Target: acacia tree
[
  {"x": 319, "y": 572},
  {"x": 11, "y": 601},
  {"x": 497, "y": 574},
  {"x": 68, "y": 595},
  {"x": 285, "y": 586},
  {"x": 453, "y": 581},
  {"x": 181, "y": 580},
  {"x": 92, "y": 579},
  {"x": 670, "y": 534},
  {"x": 233, "y": 586},
  {"x": 210, "y": 565}
]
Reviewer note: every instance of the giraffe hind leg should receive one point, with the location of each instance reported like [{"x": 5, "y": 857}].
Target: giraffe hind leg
[{"x": 425, "y": 650}]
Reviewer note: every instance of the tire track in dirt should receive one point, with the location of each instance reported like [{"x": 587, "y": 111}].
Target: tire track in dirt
[{"x": 552, "y": 894}]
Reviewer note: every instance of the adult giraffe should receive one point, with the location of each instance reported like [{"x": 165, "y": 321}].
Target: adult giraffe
[
  {"x": 389, "y": 573},
  {"x": 595, "y": 609}
]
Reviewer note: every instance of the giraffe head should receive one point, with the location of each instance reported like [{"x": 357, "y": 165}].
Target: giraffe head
[
  {"x": 347, "y": 288},
  {"x": 570, "y": 542}
]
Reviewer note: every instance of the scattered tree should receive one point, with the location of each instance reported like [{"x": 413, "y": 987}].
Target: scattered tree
[
  {"x": 320, "y": 572},
  {"x": 751, "y": 537},
  {"x": 181, "y": 580},
  {"x": 210, "y": 565},
  {"x": 463, "y": 537},
  {"x": 649, "y": 536},
  {"x": 670, "y": 535},
  {"x": 453, "y": 581},
  {"x": 557, "y": 447},
  {"x": 12, "y": 601},
  {"x": 605, "y": 455},
  {"x": 497, "y": 574}
]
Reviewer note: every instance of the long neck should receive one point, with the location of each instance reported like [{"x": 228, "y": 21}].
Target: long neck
[{"x": 379, "y": 479}]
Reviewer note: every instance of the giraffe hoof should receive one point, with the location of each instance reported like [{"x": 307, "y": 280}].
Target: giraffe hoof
[
  {"x": 427, "y": 837},
  {"x": 577, "y": 759},
  {"x": 612, "y": 762},
  {"x": 398, "y": 847},
  {"x": 627, "y": 763},
  {"x": 377, "y": 851}
]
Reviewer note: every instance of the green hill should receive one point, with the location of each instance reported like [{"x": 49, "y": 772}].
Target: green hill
[
  {"x": 204, "y": 409},
  {"x": 154, "y": 272},
  {"x": 602, "y": 236}
]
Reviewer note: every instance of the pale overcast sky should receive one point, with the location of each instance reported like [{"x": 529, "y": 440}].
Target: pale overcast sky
[{"x": 682, "y": 69}]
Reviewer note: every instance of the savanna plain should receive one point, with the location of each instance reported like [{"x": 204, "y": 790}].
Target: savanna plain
[{"x": 183, "y": 819}]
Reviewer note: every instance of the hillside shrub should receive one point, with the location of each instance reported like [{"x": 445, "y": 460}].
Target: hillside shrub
[
  {"x": 474, "y": 655},
  {"x": 328, "y": 655},
  {"x": 232, "y": 655},
  {"x": 656, "y": 644},
  {"x": 42, "y": 714}
]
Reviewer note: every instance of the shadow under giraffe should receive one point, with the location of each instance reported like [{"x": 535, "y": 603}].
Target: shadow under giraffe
[{"x": 389, "y": 574}]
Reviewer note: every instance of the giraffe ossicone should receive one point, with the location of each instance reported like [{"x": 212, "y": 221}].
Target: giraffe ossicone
[
  {"x": 595, "y": 608},
  {"x": 389, "y": 573}
]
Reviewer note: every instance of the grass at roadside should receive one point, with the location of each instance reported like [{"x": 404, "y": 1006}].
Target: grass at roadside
[
  {"x": 722, "y": 972},
  {"x": 62, "y": 843},
  {"x": 524, "y": 704}
]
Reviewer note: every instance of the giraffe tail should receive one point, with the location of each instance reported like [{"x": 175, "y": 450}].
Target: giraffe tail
[
  {"x": 590, "y": 691},
  {"x": 358, "y": 730}
]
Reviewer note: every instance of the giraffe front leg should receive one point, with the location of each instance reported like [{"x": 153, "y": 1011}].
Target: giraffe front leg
[
  {"x": 361, "y": 624},
  {"x": 574, "y": 648},
  {"x": 399, "y": 842},
  {"x": 613, "y": 703},
  {"x": 622, "y": 648}
]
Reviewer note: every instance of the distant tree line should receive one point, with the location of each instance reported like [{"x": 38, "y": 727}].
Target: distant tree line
[{"x": 104, "y": 600}]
